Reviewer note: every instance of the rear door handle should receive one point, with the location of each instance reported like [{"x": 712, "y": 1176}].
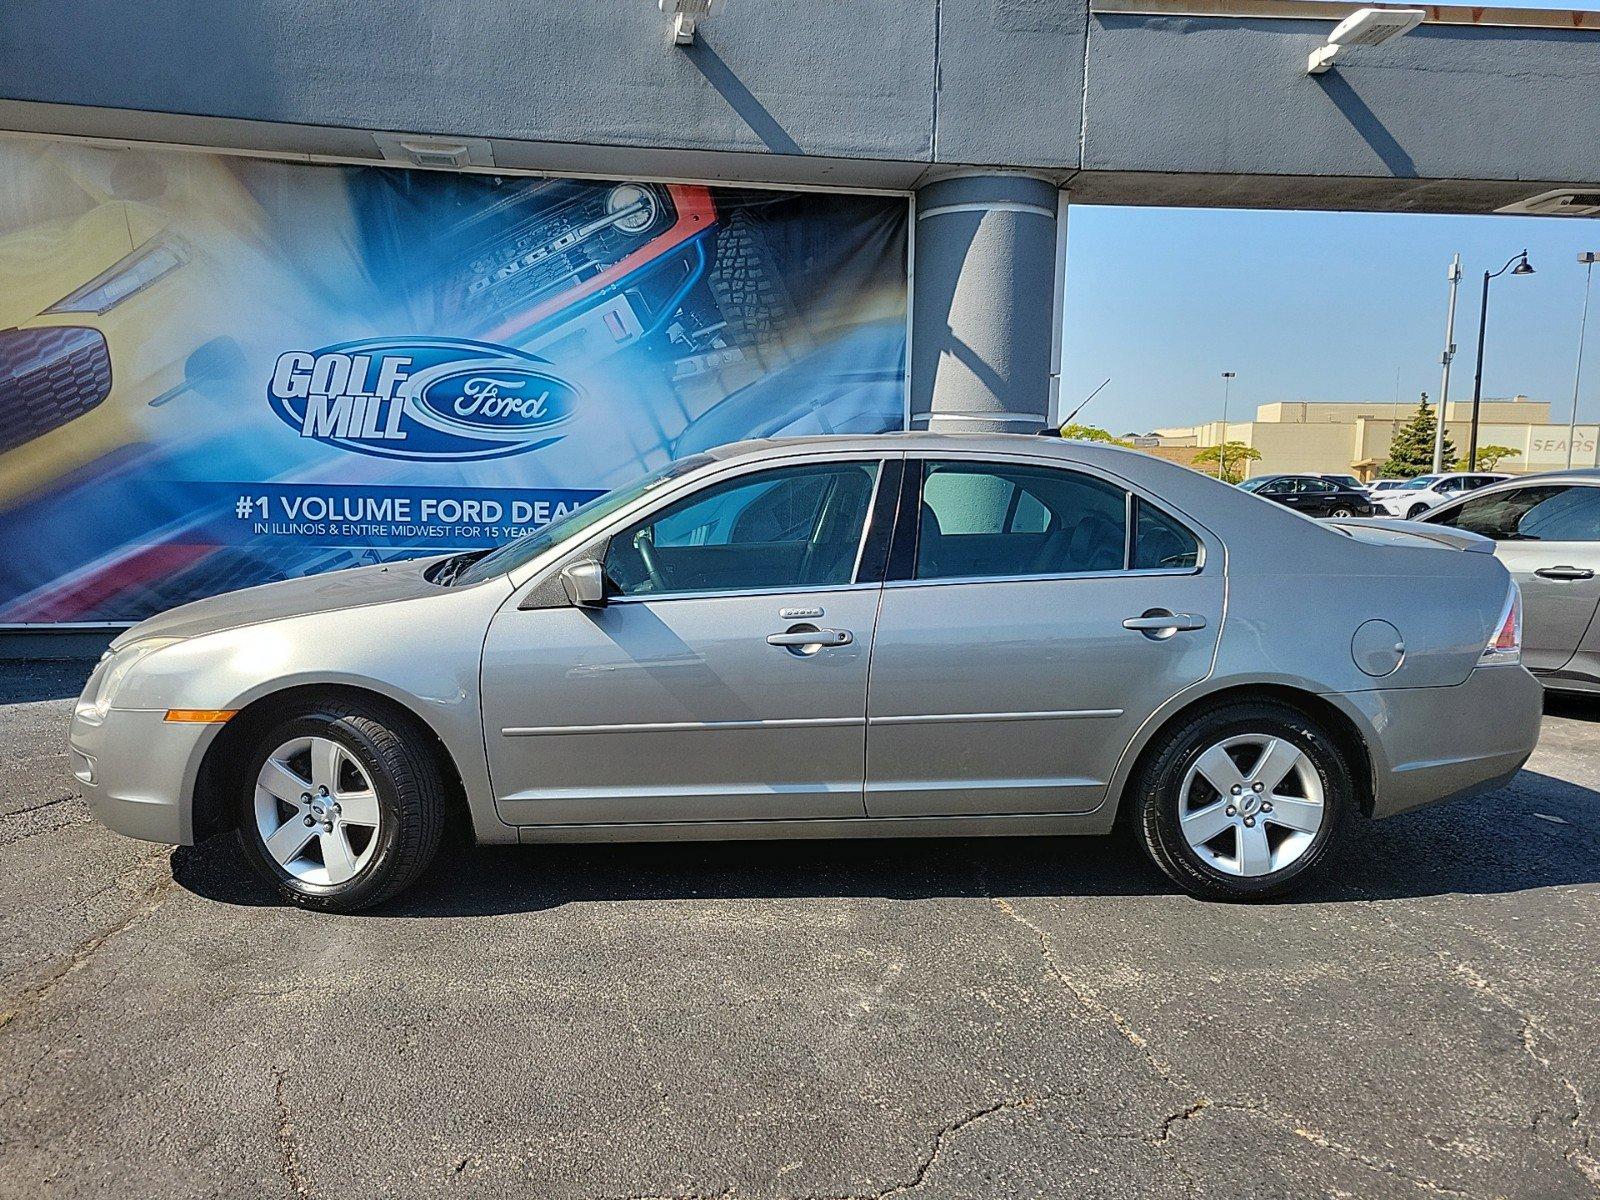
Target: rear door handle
[
  {"x": 1158, "y": 623},
  {"x": 1564, "y": 573},
  {"x": 811, "y": 637}
]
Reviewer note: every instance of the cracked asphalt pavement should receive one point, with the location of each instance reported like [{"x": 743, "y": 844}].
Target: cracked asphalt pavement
[{"x": 787, "y": 1020}]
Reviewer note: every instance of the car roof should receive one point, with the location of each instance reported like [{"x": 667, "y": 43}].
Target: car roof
[
  {"x": 1580, "y": 475},
  {"x": 920, "y": 440}
]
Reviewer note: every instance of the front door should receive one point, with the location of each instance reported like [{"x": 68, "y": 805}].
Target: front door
[
  {"x": 1037, "y": 617},
  {"x": 724, "y": 680},
  {"x": 1548, "y": 537}
]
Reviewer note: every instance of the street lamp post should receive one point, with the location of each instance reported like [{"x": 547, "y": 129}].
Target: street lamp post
[
  {"x": 1587, "y": 259},
  {"x": 1522, "y": 268},
  {"x": 1443, "y": 408},
  {"x": 1222, "y": 446}
]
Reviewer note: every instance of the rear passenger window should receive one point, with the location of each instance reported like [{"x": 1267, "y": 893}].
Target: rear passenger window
[
  {"x": 1007, "y": 520},
  {"x": 1159, "y": 542}
]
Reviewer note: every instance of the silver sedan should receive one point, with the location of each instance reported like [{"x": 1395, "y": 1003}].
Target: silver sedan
[
  {"x": 1546, "y": 529},
  {"x": 906, "y": 635}
]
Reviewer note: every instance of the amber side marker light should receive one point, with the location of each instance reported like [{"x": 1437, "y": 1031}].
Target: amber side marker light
[{"x": 199, "y": 716}]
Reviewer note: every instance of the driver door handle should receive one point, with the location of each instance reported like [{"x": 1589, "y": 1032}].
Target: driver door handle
[
  {"x": 1564, "y": 573},
  {"x": 1165, "y": 622},
  {"x": 811, "y": 637}
]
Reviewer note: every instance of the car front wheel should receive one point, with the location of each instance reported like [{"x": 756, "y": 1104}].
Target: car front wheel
[
  {"x": 1416, "y": 511},
  {"x": 1244, "y": 802},
  {"x": 1343, "y": 511},
  {"x": 341, "y": 806}
]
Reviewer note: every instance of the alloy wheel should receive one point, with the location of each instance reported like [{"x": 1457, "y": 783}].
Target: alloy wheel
[
  {"x": 1251, "y": 805},
  {"x": 317, "y": 811}
]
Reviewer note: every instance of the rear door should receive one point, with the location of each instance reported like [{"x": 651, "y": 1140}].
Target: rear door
[
  {"x": 1006, "y": 677},
  {"x": 1317, "y": 497},
  {"x": 1548, "y": 536}
]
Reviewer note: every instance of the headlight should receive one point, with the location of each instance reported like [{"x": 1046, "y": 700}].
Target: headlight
[
  {"x": 110, "y": 674},
  {"x": 133, "y": 273},
  {"x": 632, "y": 207}
]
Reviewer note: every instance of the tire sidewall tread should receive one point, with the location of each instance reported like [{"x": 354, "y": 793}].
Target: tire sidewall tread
[
  {"x": 1155, "y": 796},
  {"x": 411, "y": 798}
]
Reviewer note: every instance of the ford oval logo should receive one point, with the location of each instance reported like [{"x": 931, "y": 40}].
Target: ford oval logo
[
  {"x": 504, "y": 401},
  {"x": 438, "y": 399}
]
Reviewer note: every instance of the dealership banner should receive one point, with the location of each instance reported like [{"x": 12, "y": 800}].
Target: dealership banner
[{"x": 218, "y": 371}]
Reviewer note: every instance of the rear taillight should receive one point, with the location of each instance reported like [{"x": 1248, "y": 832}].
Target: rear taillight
[{"x": 1505, "y": 646}]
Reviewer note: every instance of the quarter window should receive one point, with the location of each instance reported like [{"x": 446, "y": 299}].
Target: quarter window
[
  {"x": 1159, "y": 542},
  {"x": 1007, "y": 520},
  {"x": 783, "y": 529}
]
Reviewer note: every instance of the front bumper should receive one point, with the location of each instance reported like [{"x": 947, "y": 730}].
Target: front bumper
[
  {"x": 138, "y": 772},
  {"x": 1440, "y": 743}
]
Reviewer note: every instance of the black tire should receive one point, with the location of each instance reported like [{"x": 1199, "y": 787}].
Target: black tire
[
  {"x": 1342, "y": 512},
  {"x": 1155, "y": 796},
  {"x": 398, "y": 758},
  {"x": 1417, "y": 510},
  {"x": 747, "y": 284}
]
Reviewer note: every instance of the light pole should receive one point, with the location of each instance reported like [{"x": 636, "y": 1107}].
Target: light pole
[
  {"x": 1222, "y": 446},
  {"x": 1522, "y": 268},
  {"x": 1587, "y": 259},
  {"x": 1454, "y": 275}
]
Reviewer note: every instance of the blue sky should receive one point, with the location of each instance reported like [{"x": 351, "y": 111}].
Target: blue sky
[{"x": 1313, "y": 306}]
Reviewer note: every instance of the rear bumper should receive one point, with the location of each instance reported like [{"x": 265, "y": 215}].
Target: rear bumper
[
  {"x": 1434, "y": 744},
  {"x": 137, "y": 772}
]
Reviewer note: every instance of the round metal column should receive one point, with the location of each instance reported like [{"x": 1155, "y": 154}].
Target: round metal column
[{"x": 985, "y": 305}]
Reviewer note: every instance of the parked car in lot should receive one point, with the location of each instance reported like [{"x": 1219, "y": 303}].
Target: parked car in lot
[
  {"x": 1312, "y": 495},
  {"x": 1546, "y": 529},
  {"x": 1417, "y": 496},
  {"x": 1378, "y": 486},
  {"x": 906, "y": 634}
]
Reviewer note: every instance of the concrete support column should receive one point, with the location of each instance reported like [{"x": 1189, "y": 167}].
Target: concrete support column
[{"x": 986, "y": 310}]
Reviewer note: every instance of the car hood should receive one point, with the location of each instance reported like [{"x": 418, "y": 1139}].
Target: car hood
[{"x": 356, "y": 587}]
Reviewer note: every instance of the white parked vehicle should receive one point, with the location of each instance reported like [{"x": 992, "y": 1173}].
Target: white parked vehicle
[
  {"x": 1426, "y": 492},
  {"x": 1385, "y": 485}
]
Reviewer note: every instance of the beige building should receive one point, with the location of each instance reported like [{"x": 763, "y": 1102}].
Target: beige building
[{"x": 1354, "y": 438}]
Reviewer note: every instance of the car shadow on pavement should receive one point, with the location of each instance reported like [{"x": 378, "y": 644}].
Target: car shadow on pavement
[
  {"x": 1477, "y": 846},
  {"x": 1573, "y": 705}
]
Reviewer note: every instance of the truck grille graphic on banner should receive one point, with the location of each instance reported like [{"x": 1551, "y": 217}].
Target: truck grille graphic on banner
[{"x": 218, "y": 372}]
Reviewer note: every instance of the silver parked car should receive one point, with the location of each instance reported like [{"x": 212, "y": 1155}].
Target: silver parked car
[
  {"x": 893, "y": 635},
  {"x": 1546, "y": 529}
]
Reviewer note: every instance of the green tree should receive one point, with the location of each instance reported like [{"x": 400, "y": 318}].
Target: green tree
[
  {"x": 1411, "y": 450},
  {"x": 1234, "y": 457},
  {"x": 1091, "y": 433},
  {"x": 1488, "y": 458}
]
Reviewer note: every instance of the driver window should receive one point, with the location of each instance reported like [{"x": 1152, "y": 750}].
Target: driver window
[
  {"x": 1007, "y": 520},
  {"x": 783, "y": 529}
]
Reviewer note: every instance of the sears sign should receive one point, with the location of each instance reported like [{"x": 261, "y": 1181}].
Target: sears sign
[{"x": 440, "y": 399}]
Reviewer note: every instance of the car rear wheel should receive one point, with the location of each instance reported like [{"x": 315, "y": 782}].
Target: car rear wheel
[
  {"x": 1343, "y": 511},
  {"x": 341, "y": 806},
  {"x": 1244, "y": 802}
]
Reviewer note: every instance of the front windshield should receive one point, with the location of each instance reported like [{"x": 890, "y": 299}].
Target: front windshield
[
  {"x": 1251, "y": 485},
  {"x": 1420, "y": 482},
  {"x": 508, "y": 558}
]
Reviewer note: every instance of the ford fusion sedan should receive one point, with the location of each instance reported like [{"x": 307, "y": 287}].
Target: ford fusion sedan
[
  {"x": 1417, "y": 496},
  {"x": 1312, "y": 495},
  {"x": 1546, "y": 529},
  {"x": 893, "y": 635}
]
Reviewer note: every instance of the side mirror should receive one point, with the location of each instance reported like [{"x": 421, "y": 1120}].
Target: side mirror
[{"x": 585, "y": 583}]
